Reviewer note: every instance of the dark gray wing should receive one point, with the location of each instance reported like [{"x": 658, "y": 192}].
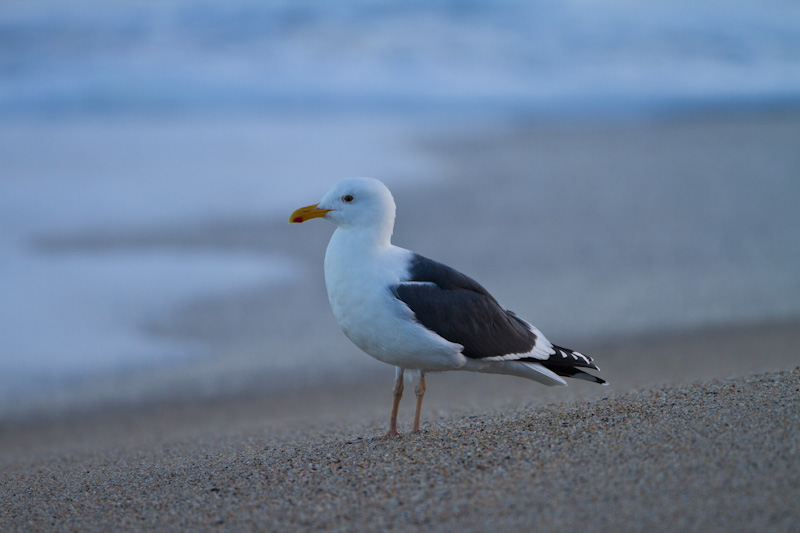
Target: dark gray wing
[{"x": 459, "y": 309}]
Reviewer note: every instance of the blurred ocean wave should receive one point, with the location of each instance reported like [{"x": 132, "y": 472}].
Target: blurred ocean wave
[{"x": 538, "y": 57}]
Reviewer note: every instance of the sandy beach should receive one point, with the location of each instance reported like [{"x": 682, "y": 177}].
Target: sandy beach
[
  {"x": 719, "y": 455},
  {"x": 698, "y": 430}
]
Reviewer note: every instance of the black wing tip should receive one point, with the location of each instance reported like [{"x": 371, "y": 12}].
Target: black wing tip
[
  {"x": 580, "y": 374},
  {"x": 599, "y": 381},
  {"x": 573, "y": 358},
  {"x": 571, "y": 367}
]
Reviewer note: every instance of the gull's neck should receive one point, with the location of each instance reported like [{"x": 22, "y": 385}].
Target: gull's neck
[{"x": 362, "y": 240}]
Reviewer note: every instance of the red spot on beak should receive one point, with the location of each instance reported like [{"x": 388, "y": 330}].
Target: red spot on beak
[{"x": 297, "y": 219}]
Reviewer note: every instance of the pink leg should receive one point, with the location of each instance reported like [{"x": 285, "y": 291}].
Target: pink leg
[
  {"x": 420, "y": 392},
  {"x": 398, "y": 393}
]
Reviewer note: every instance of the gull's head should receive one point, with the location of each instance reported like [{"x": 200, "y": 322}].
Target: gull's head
[{"x": 353, "y": 203}]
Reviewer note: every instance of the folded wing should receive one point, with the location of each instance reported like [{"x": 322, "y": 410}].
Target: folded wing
[{"x": 459, "y": 309}]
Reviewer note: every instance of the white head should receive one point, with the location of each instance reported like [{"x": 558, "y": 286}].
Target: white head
[{"x": 354, "y": 204}]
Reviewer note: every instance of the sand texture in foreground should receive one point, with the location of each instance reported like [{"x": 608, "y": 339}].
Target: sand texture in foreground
[{"x": 720, "y": 455}]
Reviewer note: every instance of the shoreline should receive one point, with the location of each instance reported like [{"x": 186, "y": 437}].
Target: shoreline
[{"x": 642, "y": 362}]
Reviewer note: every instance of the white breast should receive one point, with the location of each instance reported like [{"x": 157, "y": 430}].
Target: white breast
[{"x": 358, "y": 279}]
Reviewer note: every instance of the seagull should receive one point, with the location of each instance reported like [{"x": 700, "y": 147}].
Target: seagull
[{"x": 418, "y": 314}]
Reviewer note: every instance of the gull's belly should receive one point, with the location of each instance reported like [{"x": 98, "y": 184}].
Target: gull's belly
[{"x": 384, "y": 328}]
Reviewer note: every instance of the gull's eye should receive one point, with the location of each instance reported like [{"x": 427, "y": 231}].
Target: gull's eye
[{"x": 347, "y": 198}]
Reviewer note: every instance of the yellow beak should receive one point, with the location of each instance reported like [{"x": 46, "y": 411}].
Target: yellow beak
[{"x": 307, "y": 213}]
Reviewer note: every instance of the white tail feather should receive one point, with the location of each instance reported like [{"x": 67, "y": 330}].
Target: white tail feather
[{"x": 525, "y": 369}]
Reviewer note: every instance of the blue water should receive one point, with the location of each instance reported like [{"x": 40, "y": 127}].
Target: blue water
[
  {"x": 484, "y": 56},
  {"x": 131, "y": 115}
]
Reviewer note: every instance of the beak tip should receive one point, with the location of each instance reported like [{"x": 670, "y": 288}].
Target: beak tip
[{"x": 307, "y": 213}]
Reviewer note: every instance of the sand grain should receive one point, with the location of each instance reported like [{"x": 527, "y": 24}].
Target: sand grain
[{"x": 721, "y": 455}]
